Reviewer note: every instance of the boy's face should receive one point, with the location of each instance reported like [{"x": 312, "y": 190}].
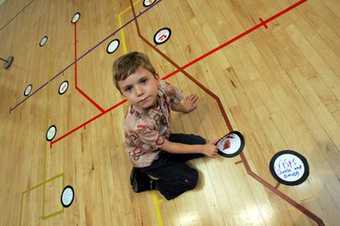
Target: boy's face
[{"x": 140, "y": 88}]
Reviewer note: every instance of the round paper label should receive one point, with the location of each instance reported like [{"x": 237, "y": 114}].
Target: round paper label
[
  {"x": 112, "y": 46},
  {"x": 67, "y": 196},
  {"x": 289, "y": 167},
  {"x": 162, "y": 35}
]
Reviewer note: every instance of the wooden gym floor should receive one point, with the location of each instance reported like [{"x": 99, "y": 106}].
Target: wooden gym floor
[{"x": 278, "y": 82}]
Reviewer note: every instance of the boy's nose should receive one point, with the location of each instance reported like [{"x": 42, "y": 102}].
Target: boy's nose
[{"x": 139, "y": 91}]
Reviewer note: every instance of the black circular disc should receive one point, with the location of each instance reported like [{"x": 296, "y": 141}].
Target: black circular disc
[
  {"x": 28, "y": 90},
  {"x": 147, "y": 3},
  {"x": 289, "y": 167},
  {"x": 236, "y": 146},
  {"x": 75, "y": 18},
  {"x": 113, "y": 46},
  {"x": 159, "y": 38},
  {"x": 43, "y": 41},
  {"x": 51, "y": 137},
  {"x": 61, "y": 89},
  {"x": 67, "y": 196}
]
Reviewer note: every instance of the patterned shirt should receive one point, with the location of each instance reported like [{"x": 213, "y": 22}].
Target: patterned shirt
[{"x": 145, "y": 130}]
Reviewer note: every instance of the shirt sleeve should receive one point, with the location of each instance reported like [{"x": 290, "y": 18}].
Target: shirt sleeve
[{"x": 173, "y": 93}]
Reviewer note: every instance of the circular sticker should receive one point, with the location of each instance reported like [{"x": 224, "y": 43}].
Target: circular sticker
[
  {"x": 28, "y": 90},
  {"x": 112, "y": 46},
  {"x": 162, "y": 35},
  {"x": 51, "y": 133},
  {"x": 231, "y": 144},
  {"x": 43, "y": 41},
  {"x": 289, "y": 167},
  {"x": 75, "y": 18},
  {"x": 67, "y": 196},
  {"x": 63, "y": 87},
  {"x": 148, "y": 3}
]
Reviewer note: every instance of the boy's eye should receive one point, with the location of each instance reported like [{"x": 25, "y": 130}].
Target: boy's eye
[
  {"x": 128, "y": 88},
  {"x": 143, "y": 80}
]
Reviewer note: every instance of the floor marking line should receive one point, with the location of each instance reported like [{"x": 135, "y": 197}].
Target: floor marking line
[
  {"x": 154, "y": 197},
  {"x": 88, "y": 51},
  {"x": 44, "y": 186},
  {"x": 291, "y": 201},
  {"x": 233, "y": 39},
  {"x": 122, "y": 34},
  {"x": 263, "y": 23},
  {"x": 53, "y": 214},
  {"x": 157, "y": 208},
  {"x": 299, "y": 207},
  {"x": 75, "y": 56},
  {"x": 76, "y": 74},
  {"x": 35, "y": 187},
  {"x": 88, "y": 121},
  {"x": 91, "y": 100},
  {"x": 21, "y": 208},
  {"x": 44, "y": 182},
  {"x": 11, "y": 20}
]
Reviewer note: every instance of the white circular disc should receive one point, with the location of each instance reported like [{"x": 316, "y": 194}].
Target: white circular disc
[
  {"x": 234, "y": 144},
  {"x": 113, "y": 46},
  {"x": 67, "y": 196},
  {"x": 63, "y": 87},
  {"x": 147, "y": 3},
  {"x": 289, "y": 167},
  {"x": 28, "y": 90},
  {"x": 162, "y": 35},
  {"x": 51, "y": 132},
  {"x": 75, "y": 17},
  {"x": 43, "y": 41}
]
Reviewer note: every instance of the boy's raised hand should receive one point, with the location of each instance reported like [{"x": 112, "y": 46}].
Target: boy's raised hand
[{"x": 189, "y": 103}]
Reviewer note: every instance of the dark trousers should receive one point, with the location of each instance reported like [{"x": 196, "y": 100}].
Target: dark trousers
[{"x": 173, "y": 174}]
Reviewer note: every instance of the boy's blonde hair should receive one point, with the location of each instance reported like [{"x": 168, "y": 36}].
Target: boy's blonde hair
[{"x": 128, "y": 64}]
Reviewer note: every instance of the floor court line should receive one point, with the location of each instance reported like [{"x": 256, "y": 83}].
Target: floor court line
[
  {"x": 20, "y": 11},
  {"x": 195, "y": 60},
  {"x": 82, "y": 93},
  {"x": 156, "y": 200},
  {"x": 35, "y": 187},
  {"x": 86, "y": 53},
  {"x": 250, "y": 172}
]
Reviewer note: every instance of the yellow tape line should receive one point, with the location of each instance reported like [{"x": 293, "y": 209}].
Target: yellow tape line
[
  {"x": 122, "y": 34},
  {"x": 155, "y": 200},
  {"x": 21, "y": 207},
  {"x": 44, "y": 188},
  {"x": 44, "y": 182},
  {"x": 35, "y": 187},
  {"x": 52, "y": 214}
]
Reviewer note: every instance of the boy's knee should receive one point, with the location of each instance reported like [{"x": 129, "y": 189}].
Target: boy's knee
[
  {"x": 191, "y": 179},
  {"x": 198, "y": 139},
  {"x": 173, "y": 188}
]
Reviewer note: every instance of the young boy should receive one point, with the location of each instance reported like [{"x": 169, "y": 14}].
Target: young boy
[{"x": 152, "y": 148}]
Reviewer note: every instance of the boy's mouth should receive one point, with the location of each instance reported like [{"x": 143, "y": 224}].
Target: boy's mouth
[{"x": 142, "y": 101}]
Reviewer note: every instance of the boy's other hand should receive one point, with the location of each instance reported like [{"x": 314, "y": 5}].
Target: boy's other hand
[
  {"x": 189, "y": 103},
  {"x": 210, "y": 148}
]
